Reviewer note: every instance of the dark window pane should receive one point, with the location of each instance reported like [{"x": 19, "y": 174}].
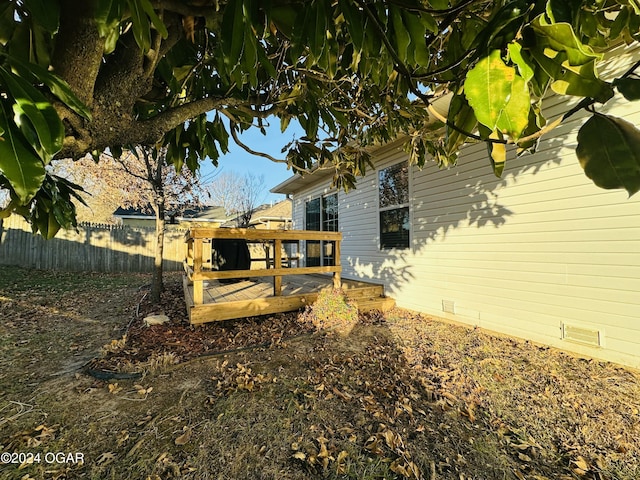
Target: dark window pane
[
  {"x": 393, "y": 185},
  {"x": 394, "y": 228},
  {"x": 312, "y": 214},
  {"x": 330, "y": 213}
]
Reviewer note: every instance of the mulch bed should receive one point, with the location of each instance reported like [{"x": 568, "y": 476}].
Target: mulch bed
[{"x": 178, "y": 341}]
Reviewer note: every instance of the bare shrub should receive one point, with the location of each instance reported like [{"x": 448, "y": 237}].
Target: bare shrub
[{"x": 332, "y": 312}]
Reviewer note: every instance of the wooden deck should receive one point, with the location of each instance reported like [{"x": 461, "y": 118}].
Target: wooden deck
[
  {"x": 275, "y": 287},
  {"x": 254, "y": 296}
]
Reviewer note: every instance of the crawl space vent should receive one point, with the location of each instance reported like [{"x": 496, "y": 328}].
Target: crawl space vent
[
  {"x": 448, "y": 306},
  {"x": 581, "y": 335}
]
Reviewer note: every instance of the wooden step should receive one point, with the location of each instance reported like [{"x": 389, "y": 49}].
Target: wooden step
[
  {"x": 380, "y": 303},
  {"x": 373, "y": 291}
]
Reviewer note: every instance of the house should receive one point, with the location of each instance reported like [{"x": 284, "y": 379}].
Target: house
[
  {"x": 210, "y": 216},
  {"x": 541, "y": 253},
  {"x": 268, "y": 216}
]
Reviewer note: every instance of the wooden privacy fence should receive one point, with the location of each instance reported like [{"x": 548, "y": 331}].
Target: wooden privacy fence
[{"x": 96, "y": 248}]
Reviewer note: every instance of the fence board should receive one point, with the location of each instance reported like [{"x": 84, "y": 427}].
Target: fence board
[{"x": 94, "y": 247}]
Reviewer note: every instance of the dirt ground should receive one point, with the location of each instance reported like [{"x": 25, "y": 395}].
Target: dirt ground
[{"x": 87, "y": 391}]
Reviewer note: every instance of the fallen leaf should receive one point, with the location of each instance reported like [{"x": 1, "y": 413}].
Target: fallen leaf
[
  {"x": 114, "y": 388},
  {"x": 300, "y": 456},
  {"x": 185, "y": 437}
]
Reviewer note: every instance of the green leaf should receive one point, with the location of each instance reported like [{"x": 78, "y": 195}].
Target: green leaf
[
  {"x": 560, "y": 37},
  {"x": 609, "y": 152},
  {"x": 232, "y": 26},
  {"x": 58, "y": 87},
  {"x": 417, "y": 29},
  {"x": 44, "y": 12},
  {"x": 619, "y": 24},
  {"x": 318, "y": 35},
  {"x": 439, "y": 4},
  {"x": 461, "y": 115},
  {"x": 155, "y": 20},
  {"x": 497, "y": 154},
  {"x": 34, "y": 115},
  {"x": 628, "y": 87},
  {"x": 355, "y": 23},
  {"x": 515, "y": 116},
  {"x": 569, "y": 80},
  {"x": 488, "y": 88},
  {"x": 402, "y": 38},
  {"x": 524, "y": 64},
  {"x": 141, "y": 25},
  {"x": 18, "y": 162},
  {"x": 284, "y": 18}
]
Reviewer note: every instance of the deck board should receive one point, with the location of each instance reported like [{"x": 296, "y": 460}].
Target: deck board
[
  {"x": 260, "y": 287},
  {"x": 254, "y": 296}
]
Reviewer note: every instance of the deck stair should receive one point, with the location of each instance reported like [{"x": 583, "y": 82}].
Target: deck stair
[{"x": 370, "y": 298}]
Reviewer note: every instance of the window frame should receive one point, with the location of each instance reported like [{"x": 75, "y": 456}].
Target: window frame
[
  {"x": 324, "y": 245},
  {"x": 394, "y": 207}
]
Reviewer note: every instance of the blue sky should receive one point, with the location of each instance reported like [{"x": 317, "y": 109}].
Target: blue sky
[{"x": 241, "y": 162}]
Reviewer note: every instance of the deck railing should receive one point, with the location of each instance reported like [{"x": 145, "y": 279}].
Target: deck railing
[{"x": 194, "y": 263}]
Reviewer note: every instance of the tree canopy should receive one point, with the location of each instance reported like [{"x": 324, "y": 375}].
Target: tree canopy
[{"x": 80, "y": 77}]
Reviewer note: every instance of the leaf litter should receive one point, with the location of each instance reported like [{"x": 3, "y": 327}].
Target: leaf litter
[{"x": 402, "y": 396}]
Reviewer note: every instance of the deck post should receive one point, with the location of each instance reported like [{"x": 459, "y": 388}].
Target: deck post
[
  {"x": 277, "y": 265},
  {"x": 198, "y": 285},
  {"x": 337, "y": 282}
]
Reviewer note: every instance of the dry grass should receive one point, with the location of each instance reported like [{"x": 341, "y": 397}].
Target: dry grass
[{"x": 403, "y": 396}]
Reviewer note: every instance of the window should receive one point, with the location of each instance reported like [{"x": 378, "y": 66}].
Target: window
[
  {"x": 321, "y": 214},
  {"x": 393, "y": 194}
]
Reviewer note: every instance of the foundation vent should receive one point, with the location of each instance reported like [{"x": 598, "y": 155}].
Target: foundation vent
[
  {"x": 448, "y": 306},
  {"x": 586, "y": 336}
]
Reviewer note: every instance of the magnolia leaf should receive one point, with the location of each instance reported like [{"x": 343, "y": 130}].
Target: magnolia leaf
[
  {"x": 46, "y": 223},
  {"x": 34, "y": 115},
  {"x": 515, "y": 116},
  {"x": 560, "y": 37},
  {"x": 141, "y": 25},
  {"x": 417, "y": 26},
  {"x": 155, "y": 20},
  {"x": 524, "y": 65},
  {"x": 461, "y": 115},
  {"x": 609, "y": 152},
  {"x": 401, "y": 33},
  {"x": 18, "y": 162},
  {"x": 628, "y": 87},
  {"x": 44, "y": 12},
  {"x": 497, "y": 153},
  {"x": 488, "y": 87},
  {"x": 232, "y": 38},
  {"x": 439, "y": 4},
  {"x": 58, "y": 87},
  {"x": 569, "y": 80}
]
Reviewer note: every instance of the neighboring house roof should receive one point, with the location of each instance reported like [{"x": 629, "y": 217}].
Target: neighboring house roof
[
  {"x": 204, "y": 214},
  {"x": 200, "y": 214},
  {"x": 131, "y": 212},
  {"x": 279, "y": 212}
]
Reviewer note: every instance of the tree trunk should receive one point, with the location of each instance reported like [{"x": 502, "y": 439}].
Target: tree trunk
[{"x": 157, "y": 285}]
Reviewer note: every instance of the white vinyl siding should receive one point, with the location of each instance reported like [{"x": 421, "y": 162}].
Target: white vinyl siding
[{"x": 522, "y": 255}]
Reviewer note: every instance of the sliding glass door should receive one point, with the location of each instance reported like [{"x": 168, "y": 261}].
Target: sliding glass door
[{"x": 321, "y": 214}]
